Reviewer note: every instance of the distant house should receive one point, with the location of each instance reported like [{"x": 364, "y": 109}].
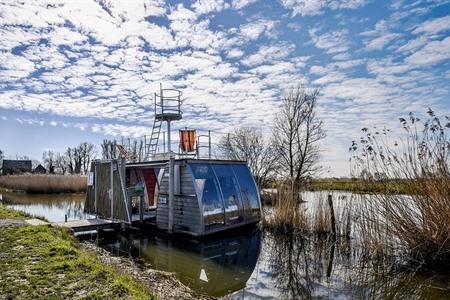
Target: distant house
[
  {"x": 16, "y": 166},
  {"x": 40, "y": 170}
]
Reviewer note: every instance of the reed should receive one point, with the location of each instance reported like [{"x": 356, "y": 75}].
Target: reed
[
  {"x": 44, "y": 184},
  {"x": 417, "y": 225},
  {"x": 288, "y": 215}
]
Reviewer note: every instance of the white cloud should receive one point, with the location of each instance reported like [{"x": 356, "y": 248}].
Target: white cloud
[
  {"x": 235, "y": 53},
  {"x": 333, "y": 42},
  {"x": 239, "y": 4},
  {"x": 254, "y": 29},
  {"x": 208, "y": 6},
  {"x": 317, "y": 7},
  {"x": 379, "y": 37},
  {"x": 432, "y": 53},
  {"x": 380, "y": 42},
  {"x": 269, "y": 54},
  {"x": 433, "y": 26}
]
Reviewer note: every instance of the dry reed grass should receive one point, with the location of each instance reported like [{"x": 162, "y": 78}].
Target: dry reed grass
[
  {"x": 416, "y": 226},
  {"x": 44, "y": 184},
  {"x": 290, "y": 215}
]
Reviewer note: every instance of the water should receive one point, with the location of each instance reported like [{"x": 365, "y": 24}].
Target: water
[
  {"x": 53, "y": 207},
  {"x": 250, "y": 264}
]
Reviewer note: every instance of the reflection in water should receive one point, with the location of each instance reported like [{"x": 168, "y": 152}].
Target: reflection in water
[
  {"x": 295, "y": 267},
  {"x": 51, "y": 206},
  {"x": 216, "y": 266}
]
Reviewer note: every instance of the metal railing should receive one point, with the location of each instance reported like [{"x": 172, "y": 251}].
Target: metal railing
[{"x": 168, "y": 103}]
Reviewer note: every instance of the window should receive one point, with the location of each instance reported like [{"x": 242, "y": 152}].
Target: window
[
  {"x": 230, "y": 192},
  {"x": 207, "y": 190},
  {"x": 249, "y": 192}
]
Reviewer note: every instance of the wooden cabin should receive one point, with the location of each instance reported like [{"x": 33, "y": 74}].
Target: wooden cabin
[{"x": 192, "y": 196}]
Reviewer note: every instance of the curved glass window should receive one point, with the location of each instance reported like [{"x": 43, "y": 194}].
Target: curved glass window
[
  {"x": 207, "y": 190},
  {"x": 249, "y": 192},
  {"x": 230, "y": 191}
]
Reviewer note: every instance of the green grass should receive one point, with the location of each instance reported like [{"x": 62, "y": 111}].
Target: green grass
[
  {"x": 6, "y": 213},
  {"x": 360, "y": 186},
  {"x": 41, "y": 262}
]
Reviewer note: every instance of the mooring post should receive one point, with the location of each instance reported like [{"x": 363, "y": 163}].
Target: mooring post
[
  {"x": 65, "y": 218},
  {"x": 333, "y": 219},
  {"x": 171, "y": 192}
]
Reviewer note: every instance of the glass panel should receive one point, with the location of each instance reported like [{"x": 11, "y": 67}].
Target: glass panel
[
  {"x": 230, "y": 191},
  {"x": 208, "y": 192},
  {"x": 249, "y": 192}
]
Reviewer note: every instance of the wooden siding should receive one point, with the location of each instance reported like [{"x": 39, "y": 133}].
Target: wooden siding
[
  {"x": 186, "y": 215},
  {"x": 103, "y": 183}
]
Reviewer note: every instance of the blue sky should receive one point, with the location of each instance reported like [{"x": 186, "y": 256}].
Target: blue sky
[{"x": 73, "y": 71}]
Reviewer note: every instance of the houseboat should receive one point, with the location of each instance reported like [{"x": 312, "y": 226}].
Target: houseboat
[{"x": 178, "y": 192}]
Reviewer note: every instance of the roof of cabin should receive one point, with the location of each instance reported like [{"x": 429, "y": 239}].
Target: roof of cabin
[{"x": 162, "y": 163}]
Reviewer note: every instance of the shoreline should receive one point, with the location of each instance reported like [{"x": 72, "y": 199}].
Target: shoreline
[{"x": 41, "y": 262}]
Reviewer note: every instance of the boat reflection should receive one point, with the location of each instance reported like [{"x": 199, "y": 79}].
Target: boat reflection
[{"x": 216, "y": 266}]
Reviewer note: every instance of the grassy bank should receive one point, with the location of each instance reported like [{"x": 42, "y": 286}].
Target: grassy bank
[
  {"x": 6, "y": 213},
  {"x": 40, "y": 262},
  {"x": 360, "y": 186},
  {"x": 44, "y": 184}
]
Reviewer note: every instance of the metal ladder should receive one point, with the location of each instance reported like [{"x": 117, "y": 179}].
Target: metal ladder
[{"x": 152, "y": 145}]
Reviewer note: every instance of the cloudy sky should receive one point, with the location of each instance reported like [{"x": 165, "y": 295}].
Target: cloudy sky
[{"x": 82, "y": 70}]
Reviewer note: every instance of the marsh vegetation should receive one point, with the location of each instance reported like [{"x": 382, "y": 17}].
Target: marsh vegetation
[{"x": 44, "y": 184}]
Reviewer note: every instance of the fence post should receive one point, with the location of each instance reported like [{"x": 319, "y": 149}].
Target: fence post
[{"x": 333, "y": 219}]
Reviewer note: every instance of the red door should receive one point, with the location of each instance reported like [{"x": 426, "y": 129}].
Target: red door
[{"x": 150, "y": 183}]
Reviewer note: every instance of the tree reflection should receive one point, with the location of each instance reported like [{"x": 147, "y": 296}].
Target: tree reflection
[{"x": 321, "y": 266}]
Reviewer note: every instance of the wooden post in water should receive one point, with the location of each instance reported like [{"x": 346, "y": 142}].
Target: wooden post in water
[
  {"x": 333, "y": 219},
  {"x": 171, "y": 192}
]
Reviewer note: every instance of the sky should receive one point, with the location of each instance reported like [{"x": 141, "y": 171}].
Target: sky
[{"x": 86, "y": 70}]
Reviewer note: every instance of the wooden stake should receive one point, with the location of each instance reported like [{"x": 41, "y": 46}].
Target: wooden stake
[{"x": 333, "y": 219}]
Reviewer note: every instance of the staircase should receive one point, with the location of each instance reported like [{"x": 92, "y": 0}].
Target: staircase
[{"x": 152, "y": 145}]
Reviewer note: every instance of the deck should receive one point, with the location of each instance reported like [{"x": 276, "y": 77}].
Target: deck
[{"x": 87, "y": 224}]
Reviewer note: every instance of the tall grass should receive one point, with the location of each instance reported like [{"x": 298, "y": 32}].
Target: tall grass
[
  {"x": 288, "y": 216},
  {"x": 417, "y": 225},
  {"x": 44, "y": 184},
  {"x": 291, "y": 215}
]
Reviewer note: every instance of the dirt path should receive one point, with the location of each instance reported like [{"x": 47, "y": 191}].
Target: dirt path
[{"x": 11, "y": 223}]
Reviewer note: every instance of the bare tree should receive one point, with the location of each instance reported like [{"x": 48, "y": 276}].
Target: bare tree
[
  {"x": 109, "y": 150},
  {"x": 87, "y": 153},
  {"x": 48, "y": 157},
  {"x": 297, "y": 132},
  {"x": 61, "y": 163},
  {"x": 79, "y": 158},
  {"x": 249, "y": 144}
]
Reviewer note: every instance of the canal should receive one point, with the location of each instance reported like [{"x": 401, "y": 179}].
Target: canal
[{"x": 253, "y": 264}]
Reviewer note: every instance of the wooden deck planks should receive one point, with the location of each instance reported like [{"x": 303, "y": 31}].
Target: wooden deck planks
[{"x": 87, "y": 225}]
